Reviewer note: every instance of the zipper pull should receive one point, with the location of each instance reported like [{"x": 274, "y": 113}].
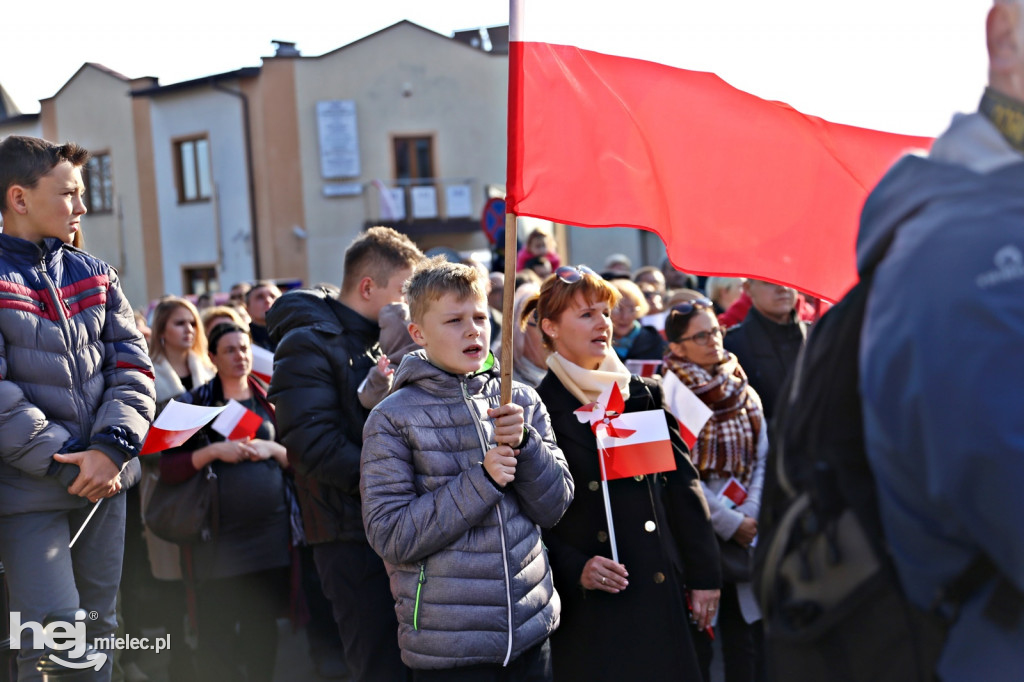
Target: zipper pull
[{"x": 423, "y": 574}]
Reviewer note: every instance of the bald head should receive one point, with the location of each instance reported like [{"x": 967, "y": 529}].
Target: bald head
[{"x": 1004, "y": 31}]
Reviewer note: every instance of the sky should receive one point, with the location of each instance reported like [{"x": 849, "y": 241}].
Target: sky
[{"x": 898, "y": 65}]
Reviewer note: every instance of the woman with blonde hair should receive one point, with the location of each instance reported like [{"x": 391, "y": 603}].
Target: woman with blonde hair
[
  {"x": 625, "y": 620},
  {"x": 180, "y": 363},
  {"x": 631, "y": 339},
  {"x": 528, "y": 350}
]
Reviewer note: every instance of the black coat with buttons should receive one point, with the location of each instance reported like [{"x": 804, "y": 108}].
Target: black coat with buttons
[{"x": 665, "y": 541}]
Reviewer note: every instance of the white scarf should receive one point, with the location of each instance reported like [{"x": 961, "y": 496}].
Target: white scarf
[{"x": 587, "y": 384}]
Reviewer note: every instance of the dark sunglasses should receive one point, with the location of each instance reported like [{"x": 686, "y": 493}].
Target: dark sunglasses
[
  {"x": 687, "y": 307},
  {"x": 571, "y": 275}
]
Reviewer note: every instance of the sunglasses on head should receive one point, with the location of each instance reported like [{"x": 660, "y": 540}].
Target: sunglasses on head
[
  {"x": 687, "y": 307},
  {"x": 571, "y": 275}
]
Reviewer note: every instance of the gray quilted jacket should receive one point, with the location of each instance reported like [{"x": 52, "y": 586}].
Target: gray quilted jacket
[
  {"x": 469, "y": 574},
  {"x": 74, "y": 371}
]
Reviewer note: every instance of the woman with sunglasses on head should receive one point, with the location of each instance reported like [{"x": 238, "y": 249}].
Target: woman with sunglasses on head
[
  {"x": 732, "y": 446},
  {"x": 625, "y": 620}
]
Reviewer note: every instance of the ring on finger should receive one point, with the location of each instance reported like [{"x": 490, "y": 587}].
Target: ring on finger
[{"x": 604, "y": 580}]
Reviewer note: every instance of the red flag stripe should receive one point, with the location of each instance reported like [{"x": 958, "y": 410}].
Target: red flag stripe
[{"x": 626, "y": 461}]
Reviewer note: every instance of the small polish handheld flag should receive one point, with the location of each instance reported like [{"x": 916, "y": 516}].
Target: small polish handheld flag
[
  {"x": 262, "y": 363},
  {"x": 176, "y": 424},
  {"x": 644, "y": 368},
  {"x": 690, "y": 410},
  {"x": 733, "y": 493},
  {"x": 647, "y": 450},
  {"x": 237, "y": 422}
]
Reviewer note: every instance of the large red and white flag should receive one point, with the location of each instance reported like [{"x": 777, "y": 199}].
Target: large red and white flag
[
  {"x": 686, "y": 407},
  {"x": 237, "y": 422},
  {"x": 176, "y": 424},
  {"x": 262, "y": 363},
  {"x": 732, "y": 183}
]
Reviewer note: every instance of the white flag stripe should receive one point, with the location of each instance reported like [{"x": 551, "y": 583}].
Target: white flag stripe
[
  {"x": 262, "y": 361},
  {"x": 684, "y": 404},
  {"x": 182, "y": 416},
  {"x": 650, "y": 427}
]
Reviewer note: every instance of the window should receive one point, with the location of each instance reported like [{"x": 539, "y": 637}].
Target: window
[
  {"x": 414, "y": 158},
  {"x": 414, "y": 171},
  {"x": 200, "y": 279},
  {"x": 192, "y": 157},
  {"x": 99, "y": 184}
]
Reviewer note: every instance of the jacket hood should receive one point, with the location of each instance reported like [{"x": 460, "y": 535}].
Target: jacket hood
[
  {"x": 968, "y": 157},
  {"x": 301, "y": 308},
  {"x": 417, "y": 369},
  {"x": 908, "y": 187}
]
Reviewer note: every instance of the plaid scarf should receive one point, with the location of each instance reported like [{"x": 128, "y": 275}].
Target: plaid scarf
[{"x": 727, "y": 445}]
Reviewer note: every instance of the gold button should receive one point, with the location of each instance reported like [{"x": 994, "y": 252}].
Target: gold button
[
  {"x": 602, "y": 536},
  {"x": 638, "y": 477},
  {"x": 594, "y": 485},
  {"x": 659, "y": 578},
  {"x": 649, "y": 526}
]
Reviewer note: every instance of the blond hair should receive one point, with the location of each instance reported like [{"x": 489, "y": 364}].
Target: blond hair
[{"x": 434, "y": 278}]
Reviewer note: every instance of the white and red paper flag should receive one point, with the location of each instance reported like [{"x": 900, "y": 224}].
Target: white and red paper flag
[
  {"x": 237, "y": 422},
  {"x": 734, "y": 493},
  {"x": 643, "y": 368},
  {"x": 732, "y": 183},
  {"x": 688, "y": 409},
  {"x": 631, "y": 444},
  {"x": 176, "y": 424},
  {"x": 262, "y": 363},
  {"x": 647, "y": 450}
]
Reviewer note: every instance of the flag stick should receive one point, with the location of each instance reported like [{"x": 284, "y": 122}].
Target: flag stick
[
  {"x": 507, "y": 323},
  {"x": 601, "y": 454},
  {"x": 86, "y": 522}
]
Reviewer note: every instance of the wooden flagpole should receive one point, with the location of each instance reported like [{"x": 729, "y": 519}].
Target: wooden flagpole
[{"x": 507, "y": 323}]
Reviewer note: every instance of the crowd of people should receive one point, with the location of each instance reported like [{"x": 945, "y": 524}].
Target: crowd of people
[{"x": 422, "y": 528}]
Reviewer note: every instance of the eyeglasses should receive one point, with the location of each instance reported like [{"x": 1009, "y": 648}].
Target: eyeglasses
[
  {"x": 687, "y": 307},
  {"x": 571, "y": 275},
  {"x": 703, "y": 338}
]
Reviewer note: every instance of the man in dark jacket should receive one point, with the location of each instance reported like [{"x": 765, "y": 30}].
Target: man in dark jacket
[
  {"x": 76, "y": 399},
  {"x": 325, "y": 348},
  {"x": 768, "y": 340},
  {"x": 941, "y": 372}
]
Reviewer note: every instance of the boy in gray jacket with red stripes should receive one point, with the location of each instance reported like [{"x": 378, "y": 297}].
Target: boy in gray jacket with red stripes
[
  {"x": 76, "y": 400},
  {"x": 455, "y": 489}
]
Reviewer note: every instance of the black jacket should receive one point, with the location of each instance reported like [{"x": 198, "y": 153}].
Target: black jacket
[
  {"x": 324, "y": 351},
  {"x": 767, "y": 352},
  {"x": 648, "y": 345},
  {"x": 665, "y": 540}
]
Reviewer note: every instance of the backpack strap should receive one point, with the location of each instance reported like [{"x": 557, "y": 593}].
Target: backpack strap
[{"x": 1004, "y": 606}]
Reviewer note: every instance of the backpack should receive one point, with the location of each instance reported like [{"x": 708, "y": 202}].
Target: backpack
[{"x": 832, "y": 603}]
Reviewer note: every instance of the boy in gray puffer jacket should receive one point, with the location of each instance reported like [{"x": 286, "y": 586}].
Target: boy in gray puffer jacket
[{"x": 455, "y": 490}]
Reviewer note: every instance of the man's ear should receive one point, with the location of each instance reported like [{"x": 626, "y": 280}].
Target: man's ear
[
  {"x": 366, "y": 285},
  {"x": 417, "y": 334}
]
